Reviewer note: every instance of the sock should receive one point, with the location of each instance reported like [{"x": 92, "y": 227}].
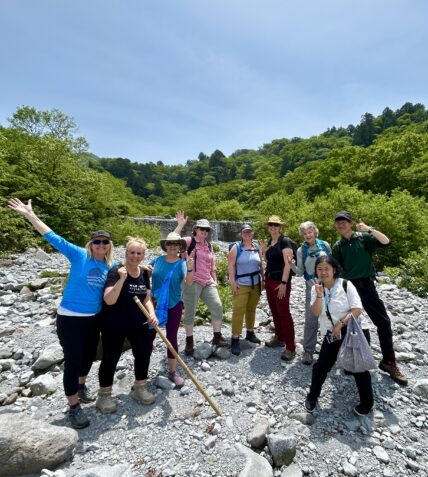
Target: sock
[
  {"x": 82, "y": 386},
  {"x": 74, "y": 406}
]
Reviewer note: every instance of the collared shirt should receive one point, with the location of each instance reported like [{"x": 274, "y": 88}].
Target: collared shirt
[
  {"x": 204, "y": 263},
  {"x": 339, "y": 304}
]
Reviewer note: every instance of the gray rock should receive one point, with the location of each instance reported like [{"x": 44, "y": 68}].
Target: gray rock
[
  {"x": 303, "y": 417},
  {"x": 255, "y": 465},
  {"x": 41, "y": 255},
  {"x": 421, "y": 388},
  {"x": 203, "y": 351},
  {"x": 43, "y": 384},
  {"x": 257, "y": 436},
  {"x": 5, "y": 352},
  {"x": 51, "y": 355},
  {"x": 164, "y": 383},
  {"x": 228, "y": 389},
  {"x": 292, "y": 470},
  {"x": 210, "y": 441},
  {"x": 6, "y": 364},
  {"x": 38, "y": 284},
  {"x": 381, "y": 454},
  {"x": 120, "y": 470},
  {"x": 349, "y": 469},
  {"x": 222, "y": 353},
  {"x": 282, "y": 448},
  {"x": 27, "y": 446}
]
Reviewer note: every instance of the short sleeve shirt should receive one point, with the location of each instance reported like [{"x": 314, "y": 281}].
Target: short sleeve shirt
[
  {"x": 125, "y": 310},
  {"x": 275, "y": 259},
  {"x": 161, "y": 268},
  {"x": 204, "y": 262},
  {"x": 339, "y": 303}
]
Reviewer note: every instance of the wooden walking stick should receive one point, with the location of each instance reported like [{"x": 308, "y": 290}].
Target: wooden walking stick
[{"x": 189, "y": 373}]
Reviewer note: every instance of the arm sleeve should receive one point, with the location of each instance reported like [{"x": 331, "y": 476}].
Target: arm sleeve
[
  {"x": 336, "y": 253},
  {"x": 313, "y": 295},
  {"x": 299, "y": 267},
  {"x": 69, "y": 250},
  {"x": 354, "y": 299},
  {"x": 112, "y": 277}
]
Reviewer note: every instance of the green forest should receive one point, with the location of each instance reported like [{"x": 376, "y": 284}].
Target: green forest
[{"x": 378, "y": 169}]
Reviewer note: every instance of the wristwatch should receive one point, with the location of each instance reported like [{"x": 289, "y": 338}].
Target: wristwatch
[{"x": 284, "y": 282}]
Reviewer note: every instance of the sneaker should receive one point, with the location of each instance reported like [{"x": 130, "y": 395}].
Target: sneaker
[
  {"x": 218, "y": 339},
  {"x": 235, "y": 346},
  {"x": 310, "y": 405},
  {"x": 141, "y": 393},
  {"x": 105, "y": 403},
  {"x": 78, "y": 418},
  {"x": 362, "y": 410},
  {"x": 307, "y": 358},
  {"x": 189, "y": 346},
  {"x": 176, "y": 379},
  {"x": 274, "y": 343},
  {"x": 251, "y": 336},
  {"x": 85, "y": 396},
  {"x": 392, "y": 369},
  {"x": 288, "y": 355}
]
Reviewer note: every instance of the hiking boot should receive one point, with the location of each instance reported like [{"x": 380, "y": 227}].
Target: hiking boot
[
  {"x": 189, "y": 346},
  {"x": 176, "y": 379},
  {"x": 251, "y": 336},
  {"x": 392, "y": 369},
  {"x": 310, "y": 405},
  {"x": 78, "y": 418},
  {"x": 307, "y": 358},
  {"x": 218, "y": 339},
  {"x": 288, "y": 355},
  {"x": 85, "y": 396},
  {"x": 362, "y": 409},
  {"x": 274, "y": 343},
  {"x": 105, "y": 403},
  {"x": 141, "y": 393},
  {"x": 235, "y": 347}
]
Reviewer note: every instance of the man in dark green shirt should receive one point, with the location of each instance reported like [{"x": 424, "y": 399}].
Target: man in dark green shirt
[{"x": 354, "y": 253}]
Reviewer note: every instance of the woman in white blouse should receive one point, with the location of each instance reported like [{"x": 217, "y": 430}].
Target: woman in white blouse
[{"x": 333, "y": 301}]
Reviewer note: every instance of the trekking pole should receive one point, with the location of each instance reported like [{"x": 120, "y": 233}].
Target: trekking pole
[{"x": 189, "y": 373}]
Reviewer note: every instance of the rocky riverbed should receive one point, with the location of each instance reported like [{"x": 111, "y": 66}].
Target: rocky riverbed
[{"x": 264, "y": 429}]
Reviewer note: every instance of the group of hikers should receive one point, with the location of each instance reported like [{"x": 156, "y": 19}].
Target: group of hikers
[{"x": 100, "y": 297}]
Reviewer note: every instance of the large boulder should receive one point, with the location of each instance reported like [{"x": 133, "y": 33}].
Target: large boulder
[
  {"x": 51, "y": 355},
  {"x": 28, "y": 446},
  {"x": 421, "y": 388},
  {"x": 44, "y": 384},
  {"x": 255, "y": 465},
  {"x": 257, "y": 436},
  {"x": 283, "y": 448}
]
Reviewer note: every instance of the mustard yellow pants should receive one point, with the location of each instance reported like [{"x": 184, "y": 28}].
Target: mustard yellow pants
[{"x": 244, "y": 304}]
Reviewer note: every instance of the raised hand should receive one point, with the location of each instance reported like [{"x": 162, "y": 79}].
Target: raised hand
[
  {"x": 181, "y": 218},
  {"x": 18, "y": 206},
  {"x": 189, "y": 262},
  {"x": 318, "y": 289},
  {"x": 362, "y": 226},
  {"x": 122, "y": 273}
]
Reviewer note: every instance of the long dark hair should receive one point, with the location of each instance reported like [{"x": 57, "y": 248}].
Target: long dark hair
[{"x": 331, "y": 261}]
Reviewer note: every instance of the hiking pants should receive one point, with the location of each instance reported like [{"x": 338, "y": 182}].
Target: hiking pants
[
  {"x": 208, "y": 294},
  {"x": 174, "y": 318},
  {"x": 244, "y": 303},
  {"x": 326, "y": 360},
  {"x": 310, "y": 332},
  {"x": 280, "y": 308},
  {"x": 78, "y": 336},
  {"x": 113, "y": 335},
  {"x": 376, "y": 310}
]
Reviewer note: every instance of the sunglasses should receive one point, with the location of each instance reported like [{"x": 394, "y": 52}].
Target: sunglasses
[
  {"x": 173, "y": 244},
  {"x": 204, "y": 229},
  {"x": 99, "y": 241},
  {"x": 271, "y": 224}
]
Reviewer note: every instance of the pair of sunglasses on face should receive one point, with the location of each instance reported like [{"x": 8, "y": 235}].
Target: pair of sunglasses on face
[
  {"x": 99, "y": 241},
  {"x": 204, "y": 229},
  {"x": 173, "y": 244},
  {"x": 270, "y": 224}
]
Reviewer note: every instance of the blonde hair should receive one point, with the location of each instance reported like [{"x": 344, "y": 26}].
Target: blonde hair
[
  {"x": 109, "y": 255},
  {"x": 308, "y": 225},
  {"x": 135, "y": 241}
]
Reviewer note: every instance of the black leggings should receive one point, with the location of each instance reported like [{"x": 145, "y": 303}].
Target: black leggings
[
  {"x": 326, "y": 360},
  {"x": 78, "y": 336},
  {"x": 139, "y": 335}
]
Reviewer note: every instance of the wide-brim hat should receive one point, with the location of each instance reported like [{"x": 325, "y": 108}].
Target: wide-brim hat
[
  {"x": 201, "y": 223},
  {"x": 274, "y": 219},
  {"x": 173, "y": 237}
]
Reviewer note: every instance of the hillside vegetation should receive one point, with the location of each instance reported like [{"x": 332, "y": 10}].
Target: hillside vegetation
[{"x": 377, "y": 169}]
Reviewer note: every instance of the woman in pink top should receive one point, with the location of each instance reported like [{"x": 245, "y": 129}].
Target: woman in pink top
[{"x": 204, "y": 285}]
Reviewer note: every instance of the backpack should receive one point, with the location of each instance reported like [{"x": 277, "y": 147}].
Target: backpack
[
  {"x": 238, "y": 253},
  {"x": 192, "y": 247},
  {"x": 321, "y": 247}
]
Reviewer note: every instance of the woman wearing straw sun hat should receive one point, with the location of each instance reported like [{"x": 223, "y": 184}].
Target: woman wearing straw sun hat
[
  {"x": 204, "y": 285},
  {"x": 278, "y": 253},
  {"x": 170, "y": 273}
]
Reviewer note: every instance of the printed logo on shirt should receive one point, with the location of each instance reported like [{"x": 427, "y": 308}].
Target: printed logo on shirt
[
  {"x": 96, "y": 277},
  {"x": 137, "y": 289}
]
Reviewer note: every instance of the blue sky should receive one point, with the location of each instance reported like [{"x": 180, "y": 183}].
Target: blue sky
[{"x": 168, "y": 79}]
